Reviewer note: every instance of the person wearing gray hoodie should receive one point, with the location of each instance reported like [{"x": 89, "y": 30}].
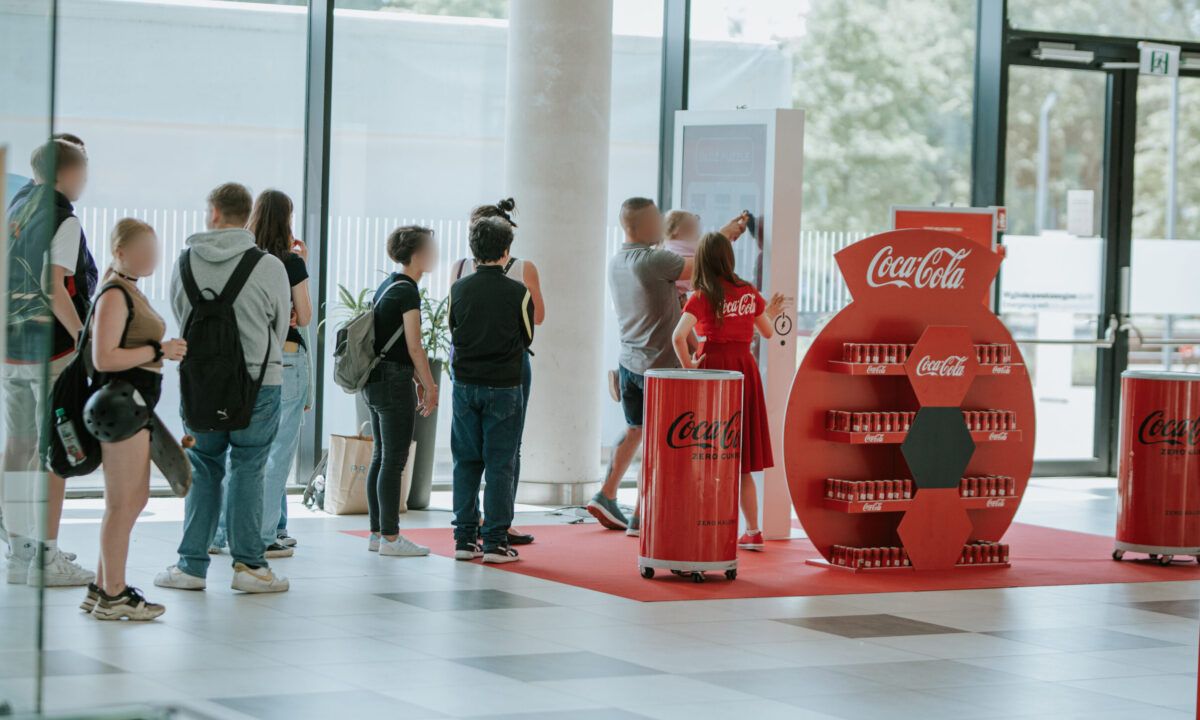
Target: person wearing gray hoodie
[{"x": 263, "y": 309}]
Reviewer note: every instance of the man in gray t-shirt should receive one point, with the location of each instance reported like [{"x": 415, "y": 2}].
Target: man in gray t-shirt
[{"x": 642, "y": 277}]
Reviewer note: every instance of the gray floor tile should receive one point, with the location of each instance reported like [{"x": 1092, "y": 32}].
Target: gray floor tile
[
  {"x": 23, "y": 664},
  {"x": 789, "y": 682},
  {"x": 1088, "y": 639},
  {"x": 1182, "y": 608},
  {"x": 321, "y": 706},
  {"x": 891, "y": 703},
  {"x": 556, "y": 666},
  {"x": 869, "y": 626},
  {"x": 441, "y": 600},
  {"x": 920, "y": 674}
]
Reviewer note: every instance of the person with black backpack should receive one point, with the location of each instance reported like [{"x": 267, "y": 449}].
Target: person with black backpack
[
  {"x": 51, "y": 277},
  {"x": 233, "y": 302}
]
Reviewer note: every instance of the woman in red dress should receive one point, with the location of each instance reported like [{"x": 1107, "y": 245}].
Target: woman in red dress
[{"x": 727, "y": 334}]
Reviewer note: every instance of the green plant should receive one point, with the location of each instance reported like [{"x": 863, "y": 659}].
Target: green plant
[{"x": 435, "y": 326}]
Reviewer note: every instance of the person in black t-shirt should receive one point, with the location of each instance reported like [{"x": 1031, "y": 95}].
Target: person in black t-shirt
[
  {"x": 390, "y": 393},
  {"x": 271, "y": 223},
  {"x": 491, "y": 325}
]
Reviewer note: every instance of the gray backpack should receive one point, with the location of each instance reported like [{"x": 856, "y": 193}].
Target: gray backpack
[{"x": 354, "y": 354}]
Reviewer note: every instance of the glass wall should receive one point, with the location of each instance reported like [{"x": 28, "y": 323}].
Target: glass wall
[
  {"x": 1177, "y": 20},
  {"x": 177, "y": 99},
  {"x": 26, "y": 75},
  {"x": 888, "y": 113}
]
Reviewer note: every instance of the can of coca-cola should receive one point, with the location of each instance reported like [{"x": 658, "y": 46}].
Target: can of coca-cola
[
  {"x": 901, "y": 353},
  {"x": 1003, "y": 552},
  {"x": 856, "y": 422},
  {"x": 1012, "y": 419}
]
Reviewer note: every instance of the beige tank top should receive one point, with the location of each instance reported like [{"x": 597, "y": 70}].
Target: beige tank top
[{"x": 145, "y": 325}]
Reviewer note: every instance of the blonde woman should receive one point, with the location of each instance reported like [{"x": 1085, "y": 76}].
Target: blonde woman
[{"x": 127, "y": 345}]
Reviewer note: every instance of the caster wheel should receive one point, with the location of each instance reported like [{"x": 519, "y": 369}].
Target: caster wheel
[
  {"x": 1118, "y": 554},
  {"x": 1153, "y": 556},
  {"x": 732, "y": 574},
  {"x": 647, "y": 572},
  {"x": 698, "y": 577},
  {"x": 1165, "y": 559}
]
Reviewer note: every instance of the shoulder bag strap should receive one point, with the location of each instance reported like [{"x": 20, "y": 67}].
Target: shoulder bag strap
[
  {"x": 399, "y": 331},
  {"x": 236, "y": 281}
]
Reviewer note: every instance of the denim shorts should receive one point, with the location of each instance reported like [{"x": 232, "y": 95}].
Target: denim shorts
[{"x": 633, "y": 392}]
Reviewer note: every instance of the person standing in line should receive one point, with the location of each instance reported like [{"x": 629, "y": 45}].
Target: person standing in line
[
  {"x": 271, "y": 225},
  {"x": 392, "y": 398},
  {"x": 46, "y": 308},
  {"x": 641, "y": 278},
  {"x": 682, "y": 230},
  {"x": 491, "y": 327},
  {"x": 726, "y": 310},
  {"x": 525, "y": 272},
  {"x": 225, "y": 261},
  {"x": 127, "y": 345}
]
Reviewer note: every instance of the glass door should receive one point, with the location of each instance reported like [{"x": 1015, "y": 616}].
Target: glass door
[
  {"x": 1164, "y": 302},
  {"x": 1053, "y": 279}
]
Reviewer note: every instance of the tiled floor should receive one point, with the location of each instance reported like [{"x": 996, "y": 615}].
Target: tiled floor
[{"x": 363, "y": 636}]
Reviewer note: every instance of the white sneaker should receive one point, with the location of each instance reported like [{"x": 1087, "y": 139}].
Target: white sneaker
[
  {"x": 175, "y": 578},
  {"x": 260, "y": 580},
  {"x": 59, "y": 571},
  {"x": 401, "y": 547},
  {"x": 373, "y": 542},
  {"x": 18, "y": 569}
]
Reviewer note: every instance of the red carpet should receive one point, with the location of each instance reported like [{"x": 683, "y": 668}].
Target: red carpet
[{"x": 591, "y": 557}]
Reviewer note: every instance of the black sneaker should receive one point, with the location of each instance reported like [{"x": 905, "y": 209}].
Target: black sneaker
[
  {"x": 500, "y": 554},
  {"x": 519, "y": 538},
  {"x": 129, "y": 603},
  {"x": 92, "y": 597},
  {"x": 275, "y": 550},
  {"x": 467, "y": 550}
]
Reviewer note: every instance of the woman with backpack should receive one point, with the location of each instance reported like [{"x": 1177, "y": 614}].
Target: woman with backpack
[
  {"x": 526, "y": 273},
  {"x": 399, "y": 387},
  {"x": 127, "y": 346}
]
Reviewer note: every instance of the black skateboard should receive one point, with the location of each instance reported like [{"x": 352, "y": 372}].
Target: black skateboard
[{"x": 169, "y": 457}]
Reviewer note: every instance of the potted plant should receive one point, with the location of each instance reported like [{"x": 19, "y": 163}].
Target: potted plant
[{"x": 435, "y": 338}]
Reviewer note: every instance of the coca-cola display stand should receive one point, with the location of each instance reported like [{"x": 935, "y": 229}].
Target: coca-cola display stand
[{"x": 936, "y": 358}]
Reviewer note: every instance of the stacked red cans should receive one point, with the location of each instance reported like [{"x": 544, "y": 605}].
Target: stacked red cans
[
  {"x": 869, "y": 422},
  {"x": 984, "y": 553},
  {"x": 990, "y": 420},
  {"x": 994, "y": 354},
  {"x": 867, "y": 558},
  {"x": 876, "y": 353},
  {"x": 988, "y": 486},
  {"x": 868, "y": 490}
]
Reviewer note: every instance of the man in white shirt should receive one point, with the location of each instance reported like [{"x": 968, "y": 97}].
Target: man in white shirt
[{"x": 41, "y": 341}]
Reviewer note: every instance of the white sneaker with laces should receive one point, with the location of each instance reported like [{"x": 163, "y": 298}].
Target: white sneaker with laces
[
  {"x": 401, "y": 547},
  {"x": 57, "y": 570},
  {"x": 257, "y": 580},
  {"x": 177, "y": 579},
  {"x": 18, "y": 569},
  {"x": 373, "y": 542}
]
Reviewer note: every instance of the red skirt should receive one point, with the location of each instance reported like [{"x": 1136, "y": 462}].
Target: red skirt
[{"x": 756, "y": 433}]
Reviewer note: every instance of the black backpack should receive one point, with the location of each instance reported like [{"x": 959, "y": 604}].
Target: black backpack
[
  {"x": 75, "y": 384},
  {"x": 216, "y": 391}
]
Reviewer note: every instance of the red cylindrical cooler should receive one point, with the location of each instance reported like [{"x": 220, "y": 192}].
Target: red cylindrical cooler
[
  {"x": 1158, "y": 475},
  {"x": 691, "y": 470}
]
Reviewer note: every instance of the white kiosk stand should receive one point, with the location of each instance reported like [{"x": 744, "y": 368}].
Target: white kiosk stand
[{"x": 727, "y": 161}]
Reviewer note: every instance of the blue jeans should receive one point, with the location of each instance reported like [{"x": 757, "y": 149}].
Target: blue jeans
[
  {"x": 484, "y": 436},
  {"x": 526, "y": 387},
  {"x": 293, "y": 393},
  {"x": 246, "y": 451}
]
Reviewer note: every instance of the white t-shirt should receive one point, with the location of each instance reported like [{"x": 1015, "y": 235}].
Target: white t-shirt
[{"x": 64, "y": 246}]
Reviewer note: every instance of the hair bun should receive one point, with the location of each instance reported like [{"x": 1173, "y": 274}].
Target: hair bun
[{"x": 507, "y": 204}]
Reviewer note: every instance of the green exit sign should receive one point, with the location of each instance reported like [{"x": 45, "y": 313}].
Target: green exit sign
[{"x": 1157, "y": 59}]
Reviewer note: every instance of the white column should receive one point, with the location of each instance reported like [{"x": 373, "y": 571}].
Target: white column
[{"x": 556, "y": 166}]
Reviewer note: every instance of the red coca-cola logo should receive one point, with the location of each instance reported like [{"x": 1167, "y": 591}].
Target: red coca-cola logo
[
  {"x": 1158, "y": 429},
  {"x": 739, "y": 307},
  {"x": 950, "y": 366},
  {"x": 688, "y": 432},
  {"x": 939, "y": 269}
]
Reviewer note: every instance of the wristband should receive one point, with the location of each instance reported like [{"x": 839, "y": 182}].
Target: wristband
[{"x": 158, "y": 351}]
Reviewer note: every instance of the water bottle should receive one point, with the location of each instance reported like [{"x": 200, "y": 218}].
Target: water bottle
[{"x": 70, "y": 440}]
